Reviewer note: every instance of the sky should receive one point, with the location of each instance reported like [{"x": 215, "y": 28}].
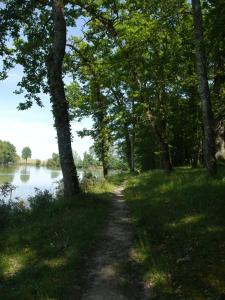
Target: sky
[{"x": 34, "y": 127}]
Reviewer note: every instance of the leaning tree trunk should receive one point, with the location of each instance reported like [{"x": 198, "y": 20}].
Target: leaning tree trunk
[
  {"x": 208, "y": 120},
  {"x": 59, "y": 103}
]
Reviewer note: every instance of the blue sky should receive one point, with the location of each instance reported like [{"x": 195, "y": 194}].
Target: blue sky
[{"x": 34, "y": 127}]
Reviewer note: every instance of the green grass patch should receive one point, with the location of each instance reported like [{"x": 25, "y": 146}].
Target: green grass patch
[
  {"x": 179, "y": 224},
  {"x": 44, "y": 250}
]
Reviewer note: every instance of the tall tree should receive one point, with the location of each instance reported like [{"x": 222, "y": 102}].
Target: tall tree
[
  {"x": 38, "y": 30},
  {"x": 26, "y": 153},
  {"x": 59, "y": 102},
  {"x": 208, "y": 119}
]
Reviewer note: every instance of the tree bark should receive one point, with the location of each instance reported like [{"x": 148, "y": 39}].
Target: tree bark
[
  {"x": 129, "y": 148},
  {"x": 59, "y": 102},
  {"x": 219, "y": 80},
  {"x": 165, "y": 154},
  {"x": 103, "y": 135},
  {"x": 208, "y": 119}
]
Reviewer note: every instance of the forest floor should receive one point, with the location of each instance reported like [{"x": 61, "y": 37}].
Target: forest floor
[{"x": 107, "y": 276}]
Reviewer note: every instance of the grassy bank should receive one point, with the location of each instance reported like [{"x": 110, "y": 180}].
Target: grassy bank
[
  {"x": 43, "y": 251},
  {"x": 179, "y": 223}
]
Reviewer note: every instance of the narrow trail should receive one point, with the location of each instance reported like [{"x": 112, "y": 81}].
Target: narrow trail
[{"x": 106, "y": 280}]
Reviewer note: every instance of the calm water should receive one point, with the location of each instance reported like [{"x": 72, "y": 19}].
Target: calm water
[{"x": 26, "y": 179}]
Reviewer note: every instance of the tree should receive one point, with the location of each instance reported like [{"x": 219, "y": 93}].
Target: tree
[
  {"x": 133, "y": 73},
  {"x": 92, "y": 100},
  {"x": 26, "y": 153},
  {"x": 53, "y": 162},
  {"x": 208, "y": 119},
  {"x": 77, "y": 159},
  {"x": 7, "y": 152},
  {"x": 90, "y": 159},
  {"x": 60, "y": 105},
  {"x": 38, "y": 30}
]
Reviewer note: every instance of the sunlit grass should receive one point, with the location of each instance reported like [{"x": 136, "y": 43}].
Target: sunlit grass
[
  {"x": 179, "y": 227},
  {"x": 44, "y": 251}
]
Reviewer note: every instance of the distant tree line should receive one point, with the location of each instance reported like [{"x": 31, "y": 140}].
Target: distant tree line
[{"x": 90, "y": 160}]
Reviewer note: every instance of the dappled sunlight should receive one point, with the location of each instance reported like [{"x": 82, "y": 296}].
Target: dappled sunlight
[
  {"x": 11, "y": 264},
  {"x": 190, "y": 219},
  {"x": 156, "y": 278},
  {"x": 166, "y": 187},
  {"x": 179, "y": 232},
  {"x": 214, "y": 229},
  {"x": 53, "y": 240},
  {"x": 139, "y": 254},
  {"x": 56, "y": 262}
]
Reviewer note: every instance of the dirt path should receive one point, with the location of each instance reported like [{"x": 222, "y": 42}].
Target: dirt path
[{"x": 106, "y": 278}]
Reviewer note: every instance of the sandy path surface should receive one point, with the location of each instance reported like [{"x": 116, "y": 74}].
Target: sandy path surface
[{"x": 106, "y": 280}]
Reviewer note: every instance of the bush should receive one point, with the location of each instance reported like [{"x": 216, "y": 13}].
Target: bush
[
  {"x": 88, "y": 181},
  {"x": 4, "y": 214},
  {"x": 41, "y": 200},
  {"x": 6, "y": 190}
]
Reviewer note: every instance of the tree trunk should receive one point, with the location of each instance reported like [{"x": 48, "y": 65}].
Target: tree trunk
[
  {"x": 59, "y": 103},
  {"x": 129, "y": 148},
  {"x": 105, "y": 170},
  {"x": 132, "y": 141},
  {"x": 208, "y": 120},
  {"x": 165, "y": 154},
  {"x": 219, "y": 80},
  {"x": 103, "y": 134}
]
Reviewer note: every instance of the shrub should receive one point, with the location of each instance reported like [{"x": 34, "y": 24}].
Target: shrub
[
  {"x": 41, "y": 200},
  {"x": 88, "y": 181}
]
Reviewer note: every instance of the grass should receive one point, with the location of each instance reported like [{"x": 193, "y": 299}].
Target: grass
[
  {"x": 179, "y": 226},
  {"x": 44, "y": 250}
]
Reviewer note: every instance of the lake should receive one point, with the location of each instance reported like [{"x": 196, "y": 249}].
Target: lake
[{"x": 27, "y": 178}]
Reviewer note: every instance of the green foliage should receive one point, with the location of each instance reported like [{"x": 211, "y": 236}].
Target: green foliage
[
  {"x": 77, "y": 159},
  {"x": 26, "y": 153},
  {"x": 179, "y": 229},
  {"x": 89, "y": 159},
  {"x": 7, "y": 152},
  {"x": 132, "y": 70},
  {"x": 88, "y": 181},
  {"x": 54, "y": 161}
]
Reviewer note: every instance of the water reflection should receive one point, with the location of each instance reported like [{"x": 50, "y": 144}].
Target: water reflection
[
  {"x": 24, "y": 175},
  {"x": 27, "y": 178},
  {"x": 55, "y": 174},
  {"x": 7, "y": 174}
]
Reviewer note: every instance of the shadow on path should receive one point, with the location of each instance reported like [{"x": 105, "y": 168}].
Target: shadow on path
[{"x": 107, "y": 279}]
